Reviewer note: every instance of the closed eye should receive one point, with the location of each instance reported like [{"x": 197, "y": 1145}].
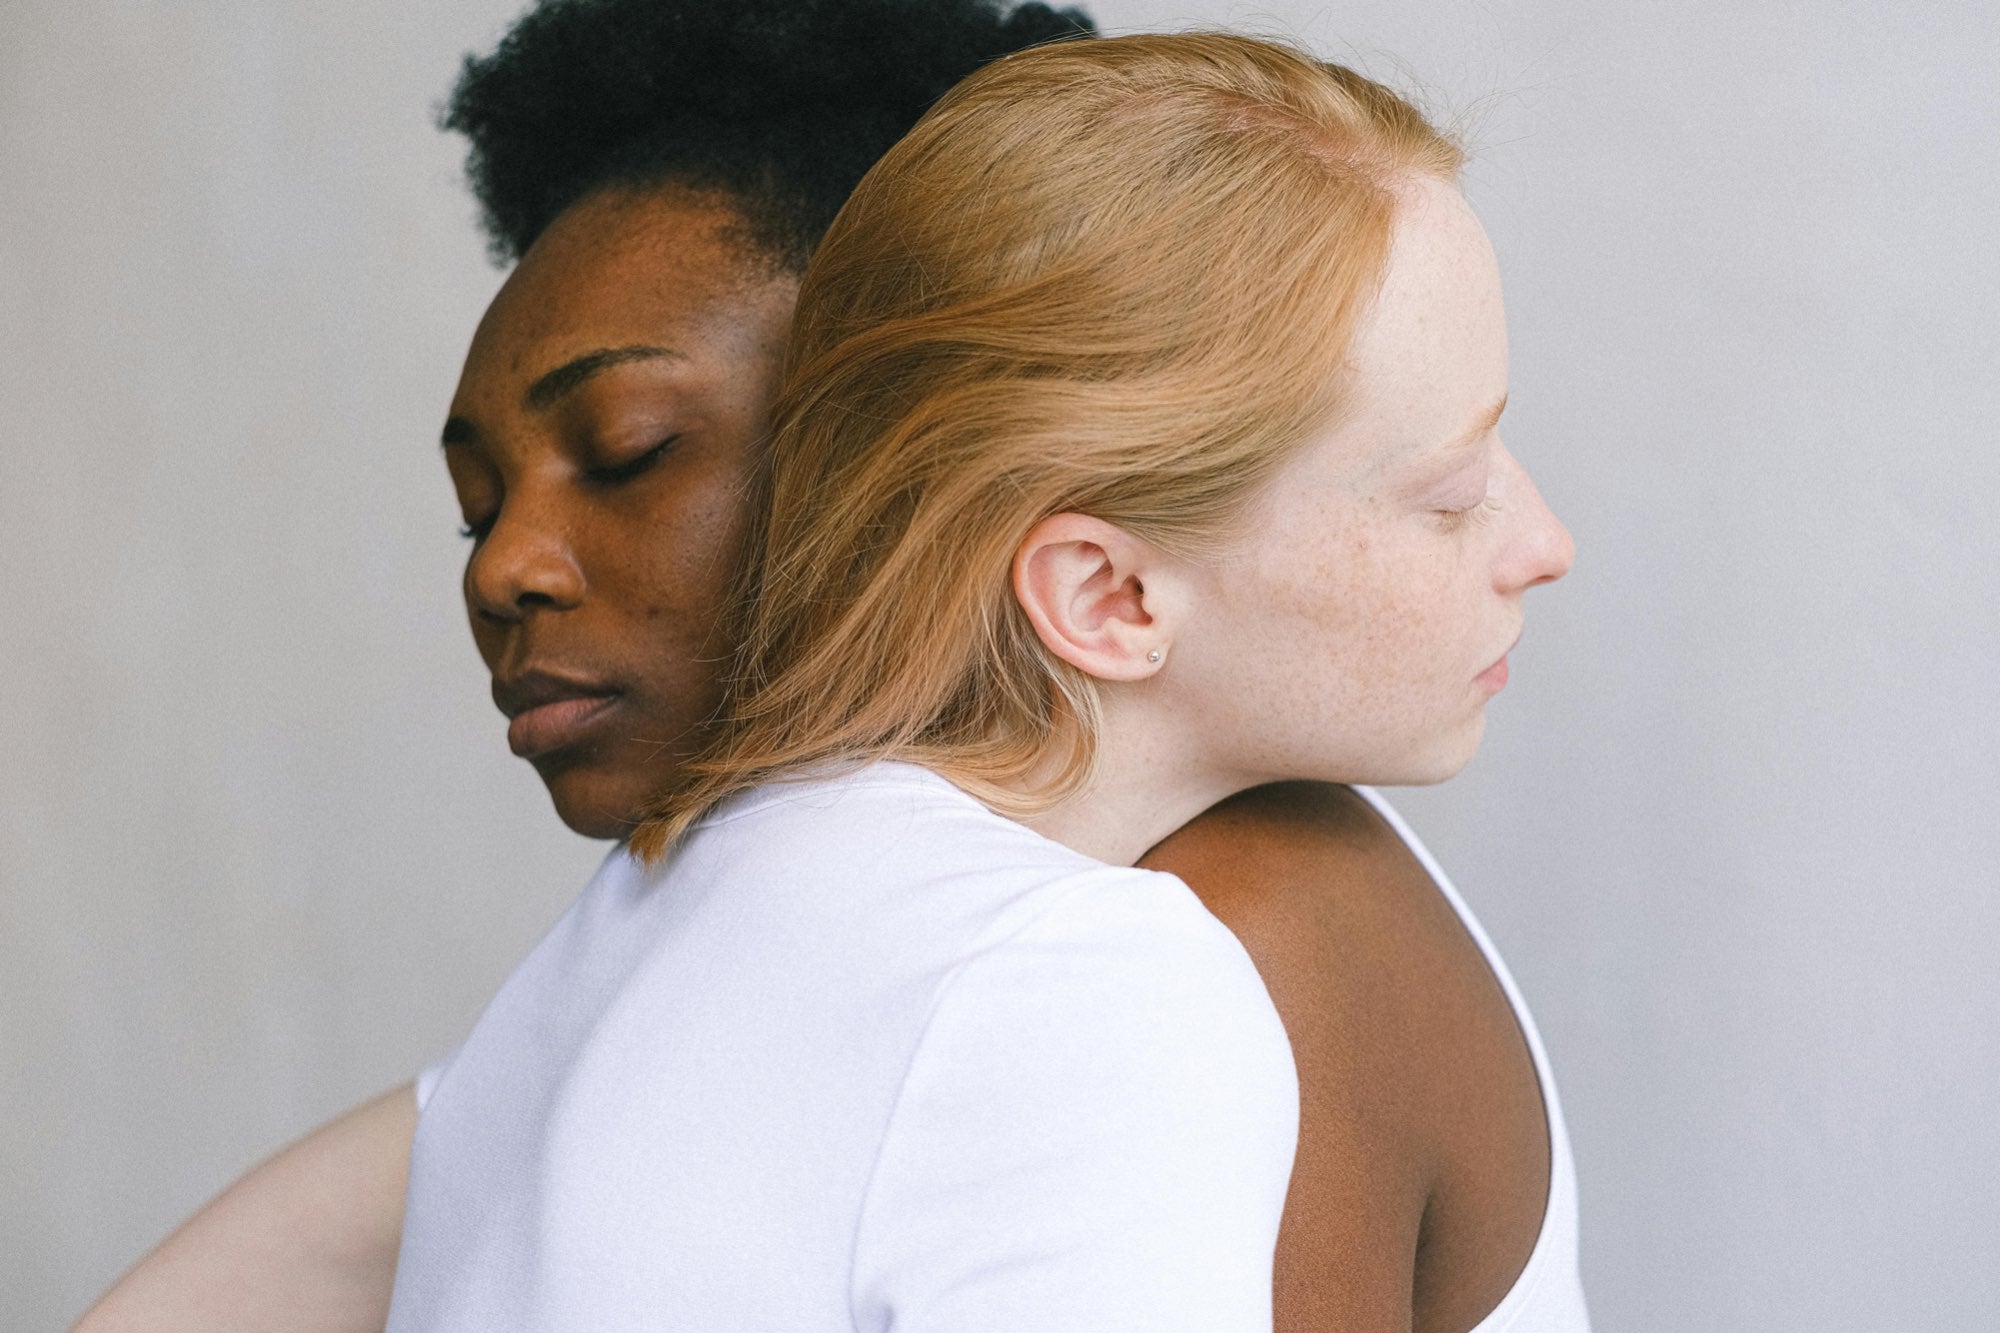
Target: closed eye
[
  {"x": 631, "y": 467},
  {"x": 1451, "y": 520}
]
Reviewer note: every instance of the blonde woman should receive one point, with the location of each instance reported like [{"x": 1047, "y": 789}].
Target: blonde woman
[{"x": 1138, "y": 447}]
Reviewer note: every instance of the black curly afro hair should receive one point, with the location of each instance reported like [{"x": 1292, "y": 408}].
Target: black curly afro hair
[{"x": 782, "y": 105}]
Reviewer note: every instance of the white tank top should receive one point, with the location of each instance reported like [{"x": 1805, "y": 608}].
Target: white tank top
[{"x": 1548, "y": 1295}]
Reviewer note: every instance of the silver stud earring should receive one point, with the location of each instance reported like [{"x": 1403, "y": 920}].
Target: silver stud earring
[{"x": 1153, "y": 656}]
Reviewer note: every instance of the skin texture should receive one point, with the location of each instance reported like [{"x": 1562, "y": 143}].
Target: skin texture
[
  {"x": 1383, "y": 570},
  {"x": 600, "y": 441},
  {"x": 1422, "y": 1168}
]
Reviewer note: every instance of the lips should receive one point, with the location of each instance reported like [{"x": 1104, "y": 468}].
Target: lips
[
  {"x": 548, "y": 711},
  {"x": 1494, "y": 678}
]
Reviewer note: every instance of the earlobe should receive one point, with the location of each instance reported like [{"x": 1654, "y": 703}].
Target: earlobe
[{"x": 1091, "y": 590}]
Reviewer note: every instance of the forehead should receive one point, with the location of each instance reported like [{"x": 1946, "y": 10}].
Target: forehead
[
  {"x": 1431, "y": 354},
  {"x": 621, "y": 268},
  {"x": 1441, "y": 280}
]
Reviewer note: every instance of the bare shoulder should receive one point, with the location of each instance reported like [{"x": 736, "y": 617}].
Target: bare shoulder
[
  {"x": 1312, "y": 840},
  {"x": 1423, "y": 1151},
  {"x": 1323, "y": 894}
]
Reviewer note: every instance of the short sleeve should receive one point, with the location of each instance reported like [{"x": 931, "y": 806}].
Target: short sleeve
[
  {"x": 1096, "y": 1133},
  {"x": 427, "y": 1081}
]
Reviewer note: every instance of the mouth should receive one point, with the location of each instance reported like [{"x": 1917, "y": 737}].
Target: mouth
[
  {"x": 1494, "y": 678},
  {"x": 547, "y": 712}
]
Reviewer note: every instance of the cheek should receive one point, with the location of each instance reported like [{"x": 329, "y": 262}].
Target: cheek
[
  {"x": 1336, "y": 599},
  {"x": 1382, "y": 614},
  {"x": 676, "y": 563}
]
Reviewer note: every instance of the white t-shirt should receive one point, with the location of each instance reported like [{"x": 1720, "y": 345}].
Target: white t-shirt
[{"x": 862, "y": 1056}]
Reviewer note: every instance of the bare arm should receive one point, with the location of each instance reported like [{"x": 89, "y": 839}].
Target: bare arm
[{"x": 304, "y": 1243}]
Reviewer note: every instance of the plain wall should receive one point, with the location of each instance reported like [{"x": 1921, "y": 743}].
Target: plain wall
[{"x": 263, "y": 852}]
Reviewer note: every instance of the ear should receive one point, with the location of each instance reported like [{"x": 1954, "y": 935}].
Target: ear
[{"x": 1099, "y": 598}]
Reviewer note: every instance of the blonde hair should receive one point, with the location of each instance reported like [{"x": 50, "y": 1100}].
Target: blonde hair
[{"x": 1114, "y": 277}]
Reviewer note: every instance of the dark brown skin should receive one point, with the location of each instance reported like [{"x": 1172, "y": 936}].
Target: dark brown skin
[
  {"x": 1423, "y": 1157},
  {"x": 603, "y": 485},
  {"x": 1422, "y": 1165}
]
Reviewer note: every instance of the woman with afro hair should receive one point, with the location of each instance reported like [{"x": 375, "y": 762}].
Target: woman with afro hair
[{"x": 658, "y": 174}]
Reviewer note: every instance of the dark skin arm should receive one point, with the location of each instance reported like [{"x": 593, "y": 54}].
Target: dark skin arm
[{"x": 1422, "y": 1166}]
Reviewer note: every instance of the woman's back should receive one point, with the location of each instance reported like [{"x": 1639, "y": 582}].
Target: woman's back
[{"x": 863, "y": 1055}]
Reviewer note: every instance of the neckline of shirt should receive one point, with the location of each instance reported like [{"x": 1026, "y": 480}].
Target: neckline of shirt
[{"x": 874, "y": 775}]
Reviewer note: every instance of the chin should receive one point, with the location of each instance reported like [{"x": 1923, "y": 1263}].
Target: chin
[
  {"x": 595, "y": 804},
  {"x": 1453, "y": 754},
  {"x": 1425, "y": 762}
]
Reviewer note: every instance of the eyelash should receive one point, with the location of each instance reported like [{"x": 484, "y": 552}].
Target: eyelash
[
  {"x": 597, "y": 476},
  {"x": 611, "y": 476},
  {"x": 1453, "y": 520}
]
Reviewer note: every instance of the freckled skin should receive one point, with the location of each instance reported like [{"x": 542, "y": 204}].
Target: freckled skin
[
  {"x": 1352, "y": 621},
  {"x": 621, "y": 582}
]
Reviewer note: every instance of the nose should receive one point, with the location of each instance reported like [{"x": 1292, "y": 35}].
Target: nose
[
  {"x": 1540, "y": 549},
  {"x": 524, "y": 561}
]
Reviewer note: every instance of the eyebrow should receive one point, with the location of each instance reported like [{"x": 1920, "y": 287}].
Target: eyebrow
[
  {"x": 1487, "y": 421},
  {"x": 547, "y": 390},
  {"x": 551, "y": 387}
]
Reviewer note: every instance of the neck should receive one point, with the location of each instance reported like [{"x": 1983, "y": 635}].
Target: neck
[{"x": 1145, "y": 784}]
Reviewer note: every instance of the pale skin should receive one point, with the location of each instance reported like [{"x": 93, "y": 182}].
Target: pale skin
[
  {"x": 1422, "y": 1165},
  {"x": 1354, "y": 632},
  {"x": 303, "y": 1243}
]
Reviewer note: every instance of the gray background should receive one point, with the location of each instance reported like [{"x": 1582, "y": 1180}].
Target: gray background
[{"x": 262, "y": 850}]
